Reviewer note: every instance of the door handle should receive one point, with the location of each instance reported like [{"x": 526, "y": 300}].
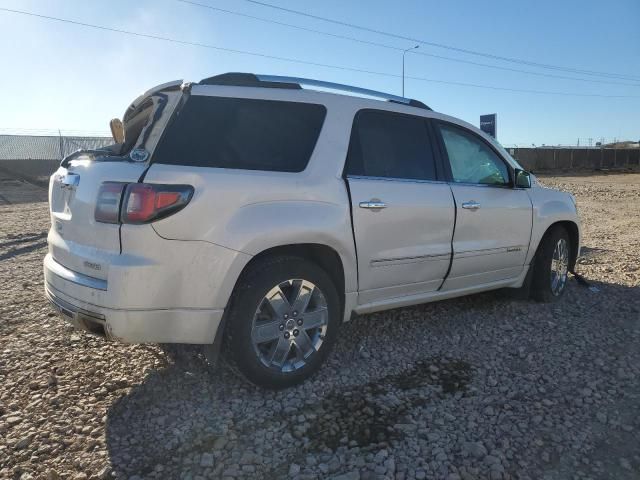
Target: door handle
[
  {"x": 373, "y": 204},
  {"x": 472, "y": 205}
]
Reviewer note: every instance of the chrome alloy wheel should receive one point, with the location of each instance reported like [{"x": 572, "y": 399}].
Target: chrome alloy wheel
[
  {"x": 559, "y": 266},
  {"x": 289, "y": 325}
]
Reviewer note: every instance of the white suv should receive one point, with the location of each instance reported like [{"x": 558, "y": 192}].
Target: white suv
[{"x": 246, "y": 211}]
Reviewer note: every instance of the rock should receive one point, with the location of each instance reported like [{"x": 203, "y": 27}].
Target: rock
[
  {"x": 22, "y": 443},
  {"x": 491, "y": 460},
  {"x": 433, "y": 437},
  {"x": 294, "y": 469},
  {"x": 495, "y": 475},
  {"x": 105, "y": 473},
  {"x": 53, "y": 475},
  {"x": 381, "y": 456},
  {"x": 353, "y": 475},
  {"x": 219, "y": 443},
  {"x": 475, "y": 449},
  {"x": 206, "y": 460},
  {"x": 13, "y": 420},
  {"x": 624, "y": 463}
]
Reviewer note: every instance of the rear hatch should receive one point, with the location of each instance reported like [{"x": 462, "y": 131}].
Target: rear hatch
[{"x": 76, "y": 240}]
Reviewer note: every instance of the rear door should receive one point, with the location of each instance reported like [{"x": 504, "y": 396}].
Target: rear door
[
  {"x": 493, "y": 220},
  {"x": 76, "y": 240},
  {"x": 403, "y": 216}
]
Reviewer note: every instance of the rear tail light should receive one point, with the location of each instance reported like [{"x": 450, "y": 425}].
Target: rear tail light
[
  {"x": 143, "y": 202},
  {"x": 108, "y": 204}
]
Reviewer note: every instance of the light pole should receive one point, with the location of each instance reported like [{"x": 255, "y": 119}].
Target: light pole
[{"x": 403, "y": 54}]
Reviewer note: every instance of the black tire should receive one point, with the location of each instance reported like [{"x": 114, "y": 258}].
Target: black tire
[
  {"x": 541, "y": 285},
  {"x": 250, "y": 291}
]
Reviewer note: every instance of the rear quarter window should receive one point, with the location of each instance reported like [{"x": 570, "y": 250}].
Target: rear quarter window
[{"x": 242, "y": 133}]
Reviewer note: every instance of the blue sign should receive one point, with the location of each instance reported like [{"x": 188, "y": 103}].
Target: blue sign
[{"x": 489, "y": 124}]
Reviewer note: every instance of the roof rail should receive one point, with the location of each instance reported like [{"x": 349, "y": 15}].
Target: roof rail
[
  {"x": 274, "y": 81},
  {"x": 245, "y": 80}
]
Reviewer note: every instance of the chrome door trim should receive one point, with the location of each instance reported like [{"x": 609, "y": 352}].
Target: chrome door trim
[
  {"x": 419, "y": 258},
  {"x": 489, "y": 251},
  {"x": 390, "y": 179},
  {"x": 484, "y": 185}
]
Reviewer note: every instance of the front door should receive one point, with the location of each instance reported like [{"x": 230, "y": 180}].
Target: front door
[
  {"x": 493, "y": 219},
  {"x": 403, "y": 216}
]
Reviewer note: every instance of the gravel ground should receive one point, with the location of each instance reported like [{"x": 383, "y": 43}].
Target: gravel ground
[{"x": 486, "y": 386}]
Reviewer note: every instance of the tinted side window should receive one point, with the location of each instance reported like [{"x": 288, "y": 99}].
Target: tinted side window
[
  {"x": 242, "y": 133},
  {"x": 471, "y": 160},
  {"x": 386, "y": 144}
]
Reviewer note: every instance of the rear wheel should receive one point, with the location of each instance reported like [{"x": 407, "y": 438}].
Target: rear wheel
[
  {"x": 283, "y": 319},
  {"x": 551, "y": 266}
]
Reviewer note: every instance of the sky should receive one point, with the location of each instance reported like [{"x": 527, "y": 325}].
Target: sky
[{"x": 74, "y": 78}]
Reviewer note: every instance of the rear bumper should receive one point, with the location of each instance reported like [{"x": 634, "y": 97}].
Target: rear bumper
[{"x": 75, "y": 297}]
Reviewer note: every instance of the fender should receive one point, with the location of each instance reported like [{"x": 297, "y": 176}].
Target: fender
[
  {"x": 549, "y": 207},
  {"x": 260, "y": 226}
]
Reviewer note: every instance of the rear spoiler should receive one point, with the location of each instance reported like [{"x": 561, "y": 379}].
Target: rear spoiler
[{"x": 93, "y": 153}]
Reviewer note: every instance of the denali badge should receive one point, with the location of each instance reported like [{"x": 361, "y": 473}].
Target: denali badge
[
  {"x": 93, "y": 266},
  {"x": 139, "y": 155}
]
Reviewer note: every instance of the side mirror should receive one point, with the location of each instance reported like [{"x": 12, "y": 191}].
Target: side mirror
[
  {"x": 523, "y": 179},
  {"x": 117, "y": 130}
]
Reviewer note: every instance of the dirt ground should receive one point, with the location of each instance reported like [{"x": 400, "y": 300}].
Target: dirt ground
[{"x": 487, "y": 386}]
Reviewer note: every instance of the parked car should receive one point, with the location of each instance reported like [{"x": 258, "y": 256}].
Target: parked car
[{"x": 246, "y": 211}]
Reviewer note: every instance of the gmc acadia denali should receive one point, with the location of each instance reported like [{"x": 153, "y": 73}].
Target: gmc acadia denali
[{"x": 247, "y": 212}]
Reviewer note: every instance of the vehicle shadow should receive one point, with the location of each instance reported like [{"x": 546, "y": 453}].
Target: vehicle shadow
[{"x": 194, "y": 417}]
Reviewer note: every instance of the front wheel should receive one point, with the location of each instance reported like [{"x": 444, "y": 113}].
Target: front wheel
[
  {"x": 551, "y": 266},
  {"x": 283, "y": 319}
]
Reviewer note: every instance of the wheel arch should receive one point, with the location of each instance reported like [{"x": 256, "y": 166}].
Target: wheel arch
[
  {"x": 322, "y": 255},
  {"x": 574, "y": 237}
]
